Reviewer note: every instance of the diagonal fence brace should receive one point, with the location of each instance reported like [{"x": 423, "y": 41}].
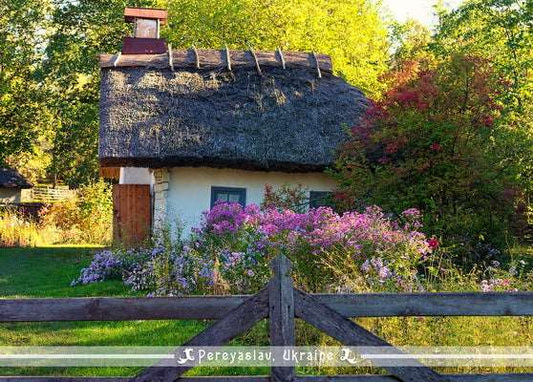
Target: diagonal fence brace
[
  {"x": 238, "y": 321},
  {"x": 349, "y": 333}
]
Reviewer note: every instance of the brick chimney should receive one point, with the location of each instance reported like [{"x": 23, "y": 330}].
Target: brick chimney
[{"x": 146, "y": 27}]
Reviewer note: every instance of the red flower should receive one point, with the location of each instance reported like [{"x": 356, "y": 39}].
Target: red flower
[
  {"x": 488, "y": 121},
  {"x": 435, "y": 146},
  {"x": 433, "y": 243},
  {"x": 392, "y": 148}
]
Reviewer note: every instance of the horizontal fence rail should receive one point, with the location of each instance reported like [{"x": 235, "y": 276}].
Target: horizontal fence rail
[
  {"x": 117, "y": 309},
  {"x": 216, "y": 307},
  {"x": 329, "y": 378},
  {"x": 430, "y": 304}
]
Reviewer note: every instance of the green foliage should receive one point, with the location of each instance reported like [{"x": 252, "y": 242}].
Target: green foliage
[
  {"x": 25, "y": 121},
  {"x": 81, "y": 31},
  {"x": 96, "y": 212},
  {"x": 452, "y": 134},
  {"x": 86, "y": 218},
  {"x": 498, "y": 30},
  {"x": 435, "y": 143},
  {"x": 17, "y": 230},
  {"x": 501, "y": 32},
  {"x": 409, "y": 41},
  {"x": 351, "y": 31}
]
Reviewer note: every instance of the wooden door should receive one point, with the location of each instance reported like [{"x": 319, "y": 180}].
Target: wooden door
[{"x": 132, "y": 213}]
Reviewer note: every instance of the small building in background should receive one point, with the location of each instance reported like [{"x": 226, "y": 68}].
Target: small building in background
[{"x": 11, "y": 185}]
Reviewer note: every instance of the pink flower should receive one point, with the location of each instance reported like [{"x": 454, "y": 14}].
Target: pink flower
[
  {"x": 433, "y": 243},
  {"x": 384, "y": 273},
  {"x": 412, "y": 213},
  {"x": 435, "y": 146},
  {"x": 486, "y": 286},
  {"x": 320, "y": 230}
]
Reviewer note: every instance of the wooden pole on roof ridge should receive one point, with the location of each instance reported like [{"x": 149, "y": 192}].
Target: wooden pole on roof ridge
[
  {"x": 317, "y": 65},
  {"x": 196, "y": 57},
  {"x": 257, "y": 66},
  {"x": 115, "y": 63},
  {"x": 170, "y": 57},
  {"x": 228, "y": 58},
  {"x": 281, "y": 57}
]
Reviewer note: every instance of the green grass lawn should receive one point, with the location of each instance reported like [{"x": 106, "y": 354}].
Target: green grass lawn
[{"x": 48, "y": 272}]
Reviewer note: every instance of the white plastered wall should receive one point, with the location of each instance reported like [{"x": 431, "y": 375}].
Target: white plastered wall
[
  {"x": 135, "y": 175},
  {"x": 187, "y": 192}
]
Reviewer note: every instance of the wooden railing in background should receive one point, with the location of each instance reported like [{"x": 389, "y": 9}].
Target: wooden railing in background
[
  {"x": 46, "y": 194},
  {"x": 280, "y": 303}
]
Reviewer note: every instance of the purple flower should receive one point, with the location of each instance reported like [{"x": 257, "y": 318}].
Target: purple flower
[
  {"x": 384, "y": 273},
  {"x": 366, "y": 266},
  {"x": 103, "y": 266},
  {"x": 412, "y": 213},
  {"x": 225, "y": 218}
]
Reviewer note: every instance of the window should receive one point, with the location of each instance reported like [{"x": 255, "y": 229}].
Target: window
[
  {"x": 228, "y": 194},
  {"x": 320, "y": 199}
]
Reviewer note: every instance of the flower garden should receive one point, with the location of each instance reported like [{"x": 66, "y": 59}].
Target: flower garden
[{"x": 350, "y": 252}]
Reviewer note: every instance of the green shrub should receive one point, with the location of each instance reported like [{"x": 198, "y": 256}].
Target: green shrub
[
  {"x": 438, "y": 141},
  {"x": 87, "y": 218}
]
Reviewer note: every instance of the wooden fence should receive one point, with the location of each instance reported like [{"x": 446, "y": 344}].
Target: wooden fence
[
  {"x": 45, "y": 194},
  {"x": 280, "y": 303}
]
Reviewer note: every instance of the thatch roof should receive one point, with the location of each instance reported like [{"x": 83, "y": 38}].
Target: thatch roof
[
  {"x": 266, "y": 118},
  {"x": 10, "y": 178}
]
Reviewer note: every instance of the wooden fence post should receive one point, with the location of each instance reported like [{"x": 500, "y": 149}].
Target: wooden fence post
[{"x": 281, "y": 314}]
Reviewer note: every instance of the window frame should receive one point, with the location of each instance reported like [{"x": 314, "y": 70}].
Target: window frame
[
  {"x": 232, "y": 190},
  {"x": 311, "y": 199}
]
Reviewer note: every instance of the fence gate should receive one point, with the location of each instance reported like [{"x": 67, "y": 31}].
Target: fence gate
[
  {"x": 132, "y": 213},
  {"x": 280, "y": 303}
]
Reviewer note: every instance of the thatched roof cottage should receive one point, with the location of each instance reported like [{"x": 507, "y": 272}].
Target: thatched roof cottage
[
  {"x": 199, "y": 126},
  {"x": 11, "y": 185}
]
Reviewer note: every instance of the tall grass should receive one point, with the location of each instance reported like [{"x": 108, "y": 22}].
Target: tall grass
[
  {"x": 439, "y": 274},
  {"x": 17, "y": 230}
]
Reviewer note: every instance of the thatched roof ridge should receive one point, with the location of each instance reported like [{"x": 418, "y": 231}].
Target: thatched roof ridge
[
  {"x": 10, "y": 178},
  {"x": 208, "y": 59},
  {"x": 283, "y": 120}
]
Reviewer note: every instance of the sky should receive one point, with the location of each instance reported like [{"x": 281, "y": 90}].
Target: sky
[{"x": 422, "y": 10}]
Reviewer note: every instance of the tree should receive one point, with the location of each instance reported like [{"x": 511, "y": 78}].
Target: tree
[
  {"x": 351, "y": 31},
  {"x": 25, "y": 120},
  {"x": 430, "y": 144},
  {"x": 501, "y": 32},
  {"x": 453, "y": 133},
  {"x": 498, "y": 30},
  {"x": 82, "y": 30}
]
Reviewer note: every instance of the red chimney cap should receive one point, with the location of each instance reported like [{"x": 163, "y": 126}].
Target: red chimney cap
[{"x": 130, "y": 14}]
